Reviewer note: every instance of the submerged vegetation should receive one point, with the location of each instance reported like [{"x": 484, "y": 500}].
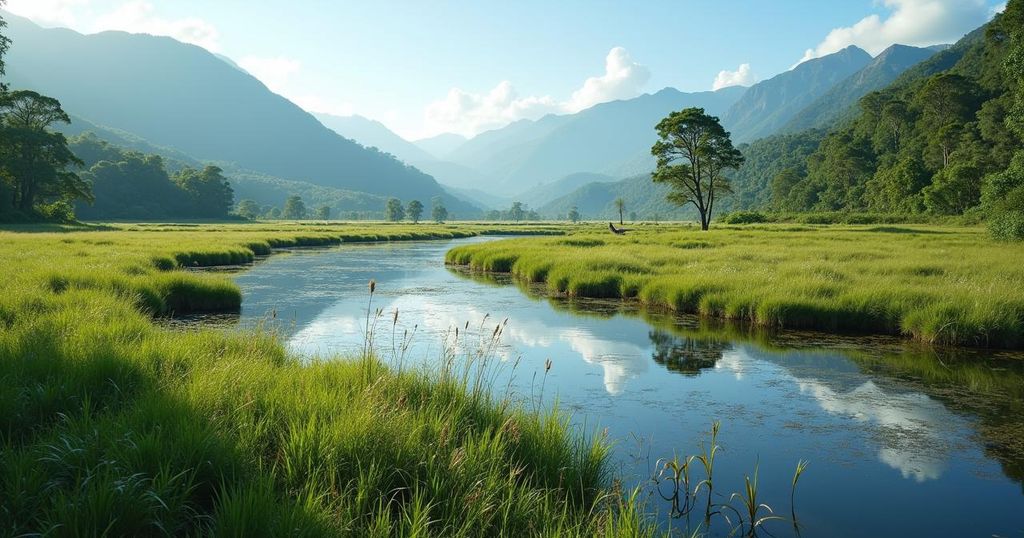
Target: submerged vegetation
[
  {"x": 112, "y": 425},
  {"x": 934, "y": 284}
]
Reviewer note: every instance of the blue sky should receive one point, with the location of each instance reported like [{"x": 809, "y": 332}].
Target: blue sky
[{"x": 428, "y": 67}]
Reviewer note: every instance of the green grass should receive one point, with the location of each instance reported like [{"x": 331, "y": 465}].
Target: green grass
[
  {"x": 939, "y": 285},
  {"x": 112, "y": 425}
]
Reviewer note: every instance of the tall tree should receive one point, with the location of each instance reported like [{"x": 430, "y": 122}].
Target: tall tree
[
  {"x": 414, "y": 211},
  {"x": 210, "y": 194},
  {"x": 516, "y": 212},
  {"x": 294, "y": 208},
  {"x": 620, "y": 205},
  {"x": 438, "y": 211},
  {"x": 693, "y": 152},
  {"x": 574, "y": 215},
  {"x": 393, "y": 211},
  {"x": 35, "y": 159},
  {"x": 248, "y": 209},
  {"x": 323, "y": 212}
]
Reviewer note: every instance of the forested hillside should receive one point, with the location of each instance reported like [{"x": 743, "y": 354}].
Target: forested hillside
[{"x": 945, "y": 138}]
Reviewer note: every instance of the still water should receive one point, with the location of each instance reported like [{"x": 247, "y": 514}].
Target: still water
[{"x": 902, "y": 441}]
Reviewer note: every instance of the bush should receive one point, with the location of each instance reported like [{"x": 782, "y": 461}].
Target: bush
[
  {"x": 745, "y": 217},
  {"x": 1007, "y": 226}
]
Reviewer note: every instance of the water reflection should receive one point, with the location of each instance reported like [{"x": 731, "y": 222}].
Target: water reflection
[{"x": 888, "y": 423}]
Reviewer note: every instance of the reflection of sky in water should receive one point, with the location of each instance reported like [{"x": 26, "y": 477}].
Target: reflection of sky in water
[{"x": 875, "y": 436}]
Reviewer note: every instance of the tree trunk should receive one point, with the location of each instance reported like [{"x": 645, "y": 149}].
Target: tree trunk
[{"x": 620, "y": 217}]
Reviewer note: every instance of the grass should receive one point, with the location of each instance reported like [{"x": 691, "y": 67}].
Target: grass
[
  {"x": 112, "y": 425},
  {"x": 938, "y": 285}
]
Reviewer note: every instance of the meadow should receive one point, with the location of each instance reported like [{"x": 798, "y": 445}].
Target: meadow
[
  {"x": 111, "y": 424},
  {"x": 934, "y": 284}
]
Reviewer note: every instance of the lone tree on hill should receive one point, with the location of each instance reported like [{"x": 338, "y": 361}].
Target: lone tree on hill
[
  {"x": 415, "y": 211},
  {"x": 693, "y": 151}
]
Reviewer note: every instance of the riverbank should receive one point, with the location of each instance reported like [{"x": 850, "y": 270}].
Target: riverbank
[
  {"x": 939, "y": 285},
  {"x": 111, "y": 424}
]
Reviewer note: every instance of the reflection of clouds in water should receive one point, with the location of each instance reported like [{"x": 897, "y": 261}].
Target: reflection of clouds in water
[
  {"x": 733, "y": 361},
  {"x": 910, "y": 424},
  {"x": 618, "y": 359}
]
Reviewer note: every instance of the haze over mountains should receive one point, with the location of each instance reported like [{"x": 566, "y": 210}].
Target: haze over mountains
[
  {"x": 183, "y": 97},
  {"x": 185, "y": 103}
]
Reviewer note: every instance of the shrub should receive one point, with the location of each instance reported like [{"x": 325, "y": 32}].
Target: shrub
[{"x": 745, "y": 217}]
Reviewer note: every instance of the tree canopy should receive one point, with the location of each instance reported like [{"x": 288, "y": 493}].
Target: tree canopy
[{"x": 693, "y": 152}]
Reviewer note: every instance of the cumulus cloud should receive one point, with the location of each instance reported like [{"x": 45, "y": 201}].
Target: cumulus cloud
[
  {"x": 910, "y": 22},
  {"x": 48, "y": 12},
  {"x": 469, "y": 113},
  {"x": 274, "y": 71},
  {"x": 139, "y": 16},
  {"x": 742, "y": 76},
  {"x": 623, "y": 78}
]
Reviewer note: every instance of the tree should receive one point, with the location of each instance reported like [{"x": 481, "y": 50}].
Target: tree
[
  {"x": 516, "y": 212},
  {"x": 210, "y": 194},
  {"x": 415, "y": 211},
  {"x": 274, "y": 213},
  {"x": 323, "y": 212},
  {"x": 248, "y": 209},
  {"x": 620, "y": 206},
  {"x": 574, "y": 215},
  {"x": 693, "y": 152},
  {"x": 393, "y": 211},
  {"x": 438, "y": 212},
  {"x": 35, "y": 159},
  {"x": 294, "y": 208}
]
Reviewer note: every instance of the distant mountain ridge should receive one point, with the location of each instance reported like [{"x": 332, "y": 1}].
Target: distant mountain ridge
[
  {"x": 527, "y": 153},
  {"x": 183, "y": 97},
  {"x": 841, "y": 100},
  {"x": 770, "y": 104}
]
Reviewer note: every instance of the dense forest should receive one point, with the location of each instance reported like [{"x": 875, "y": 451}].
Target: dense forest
[{"x": 944, "y": 139}]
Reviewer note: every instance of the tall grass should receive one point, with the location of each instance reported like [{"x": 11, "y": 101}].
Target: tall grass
[
  {"x": 936, "y": 285},
  {"x": 111, "y": 425}
]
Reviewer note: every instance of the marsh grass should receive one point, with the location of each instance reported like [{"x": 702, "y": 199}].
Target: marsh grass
[
  {"x": 946, "y": 286},
  {"x": 113, "y": 425}
]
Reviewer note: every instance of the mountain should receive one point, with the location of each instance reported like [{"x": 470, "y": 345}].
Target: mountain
[
  {"x": 526, "y": 153},
  {"x": 769, "y": 105},
  {"x": 542, "y": 194},
  {"x": 596, "y": 201},
  {"x": 441, "y": 145},
  {"x": 183, "y": 97},
  {"x": 373, "y": 134},
  {"x": 841, "y": 101}
]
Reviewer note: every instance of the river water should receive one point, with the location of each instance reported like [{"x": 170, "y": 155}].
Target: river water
[{"x": 901, "y": 440}]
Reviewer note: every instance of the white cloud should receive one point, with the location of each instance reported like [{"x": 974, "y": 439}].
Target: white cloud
[
  {"x": 469, "y": 113},
  {"x": 623, "y": 78},
  {"x": 742, "y": 76},
  {"x": 139, "y": 16},
  {"x": 274, "y": 71},
  {"x": 910, "y": 22},
  {"x": 47, "y": 12}
]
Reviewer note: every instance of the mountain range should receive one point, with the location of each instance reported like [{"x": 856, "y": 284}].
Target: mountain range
[
  {"x": 182, "y": 97},
  {"x": 159, "y": 95}
]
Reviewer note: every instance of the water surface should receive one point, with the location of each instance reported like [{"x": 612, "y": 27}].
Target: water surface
[{"x": 902, "y": 441}]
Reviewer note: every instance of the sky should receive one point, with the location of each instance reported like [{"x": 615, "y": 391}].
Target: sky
[{"x": 428, "y": 67}]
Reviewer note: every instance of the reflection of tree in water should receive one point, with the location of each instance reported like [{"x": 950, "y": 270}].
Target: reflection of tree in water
[{"x": 686, "y": 356}]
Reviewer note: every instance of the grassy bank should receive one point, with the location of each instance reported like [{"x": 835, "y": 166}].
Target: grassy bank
[
  {"x": 110, "y": 425},
  {"x": 939, "y": 285}
]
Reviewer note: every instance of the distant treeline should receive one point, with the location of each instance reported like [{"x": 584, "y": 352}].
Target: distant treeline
[{"x": 131, "y": 185}]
